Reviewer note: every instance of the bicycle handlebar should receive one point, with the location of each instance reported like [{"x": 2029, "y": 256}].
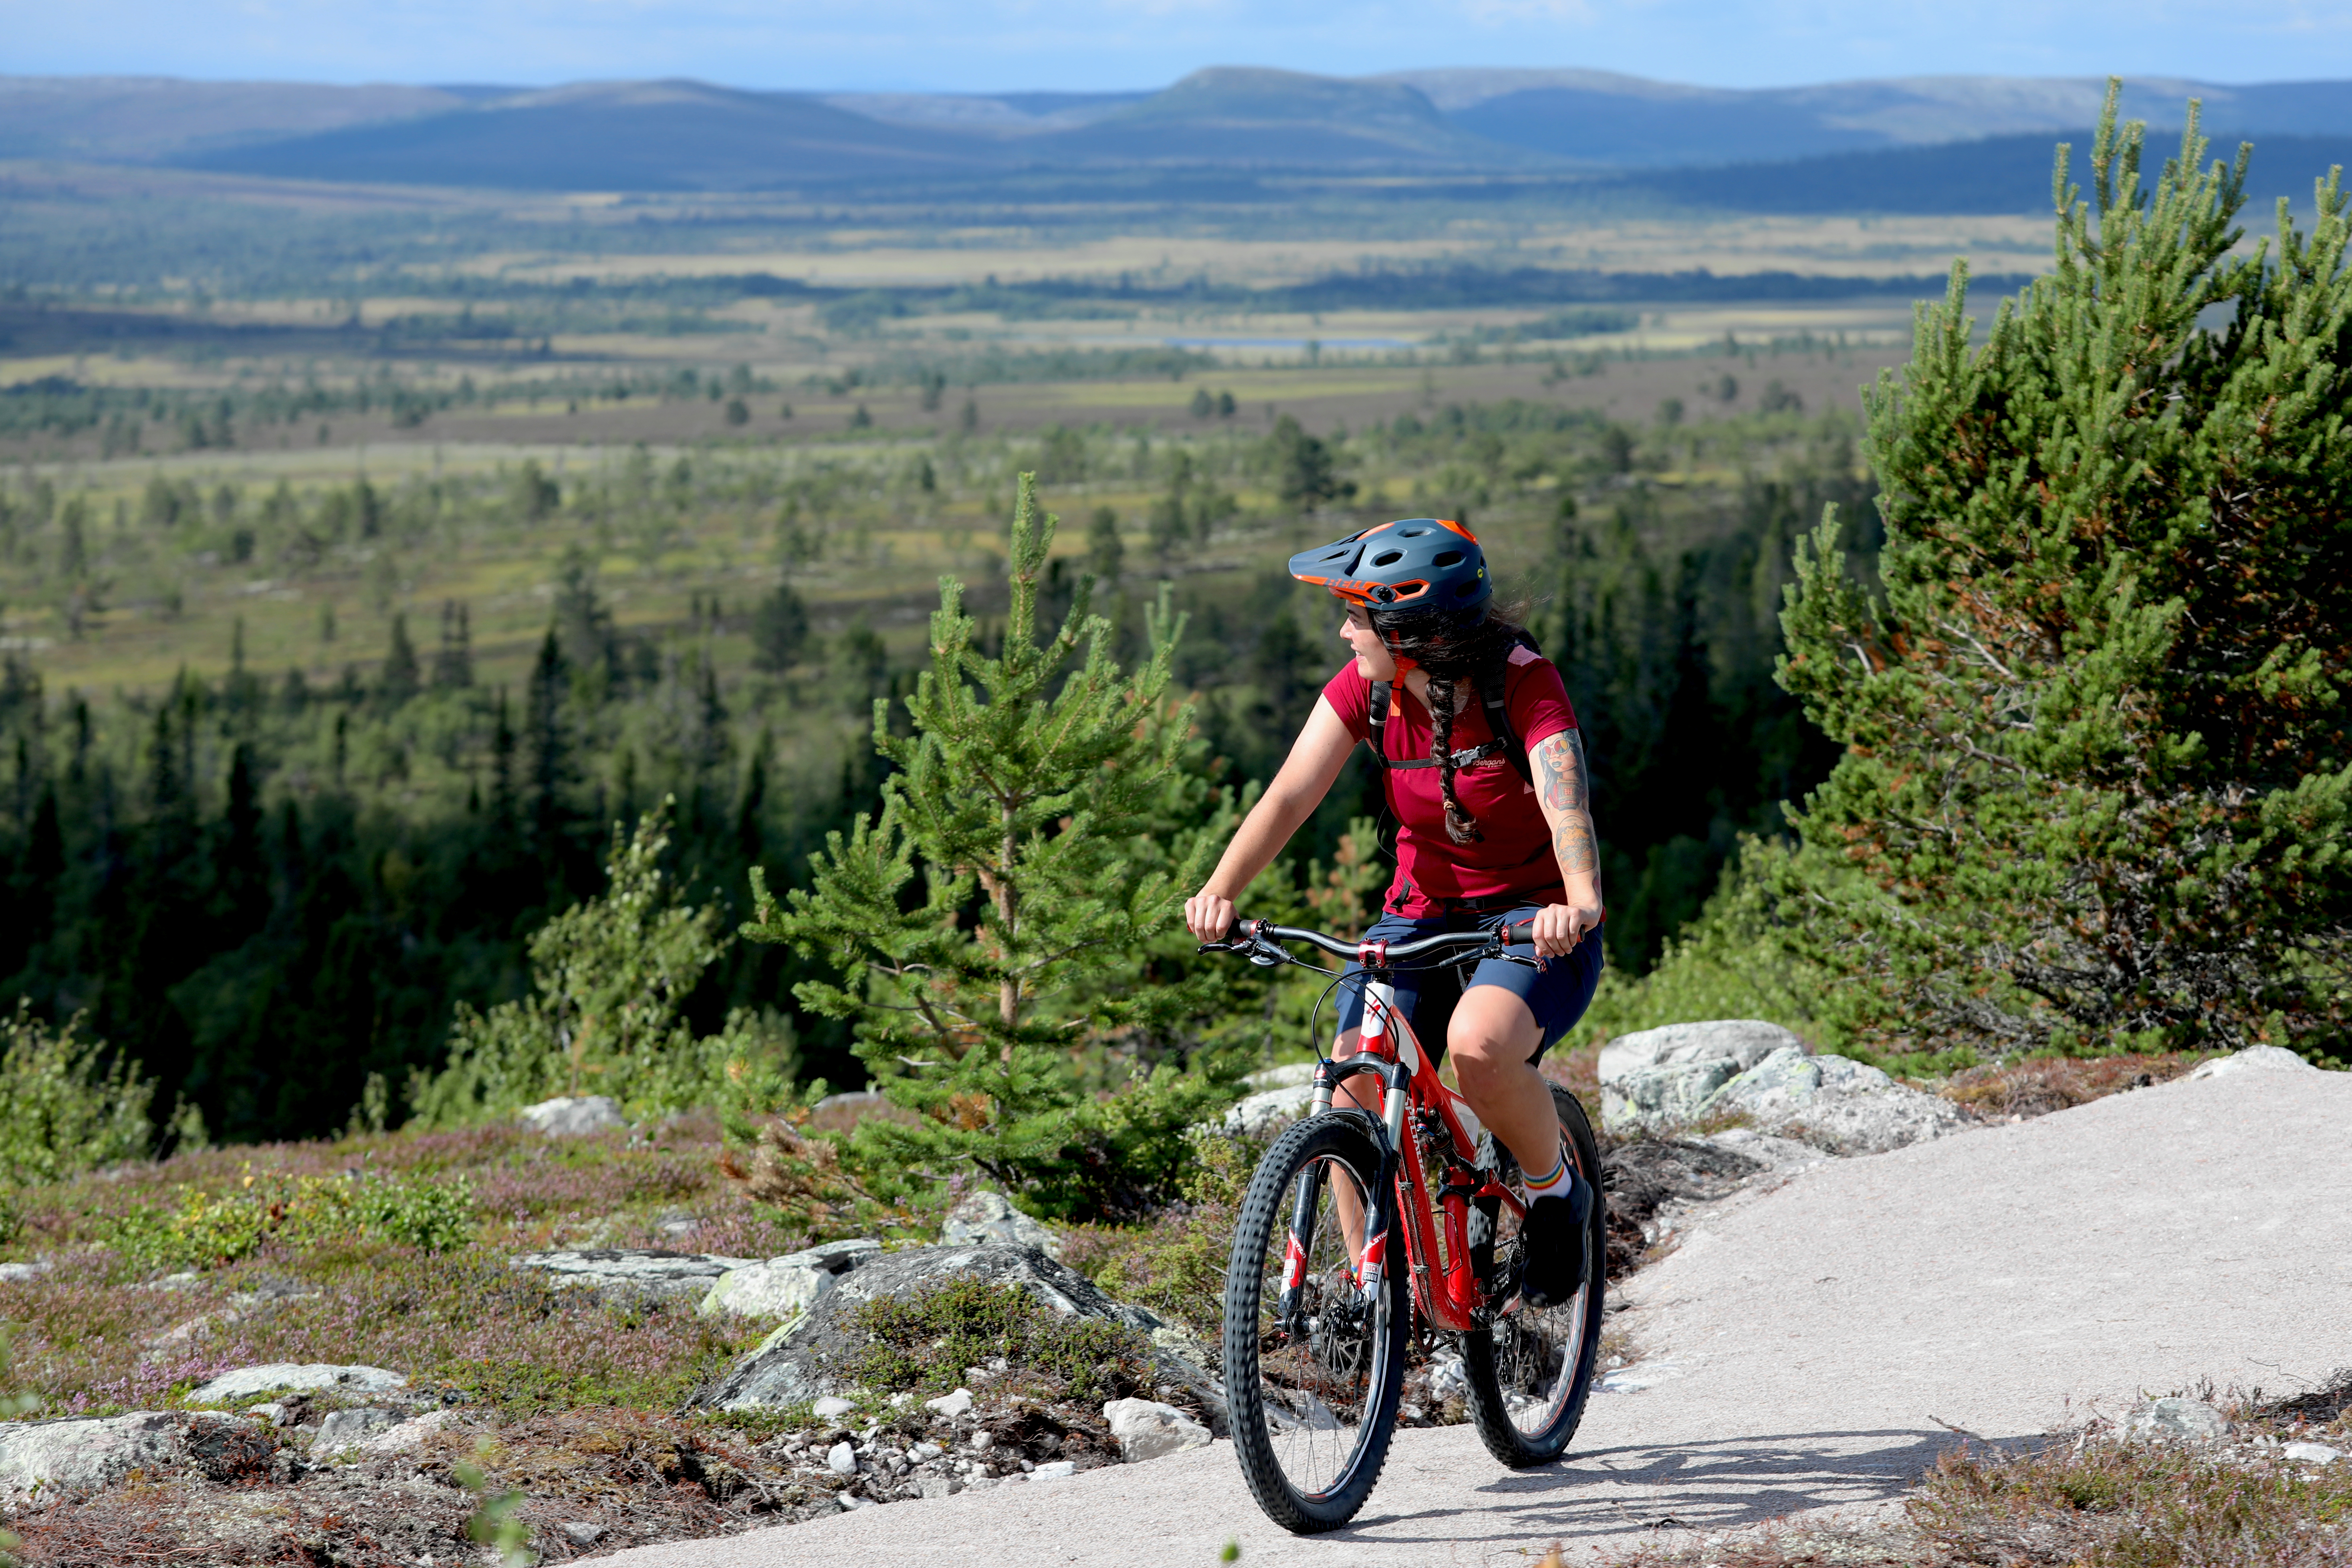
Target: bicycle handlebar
[{"x": 1244, "y": 935}]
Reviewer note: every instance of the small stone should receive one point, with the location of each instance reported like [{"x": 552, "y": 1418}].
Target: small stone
[
  {"x": 1149, "y": 1430},
  {"x": 842, "y": 1459},
  {"x": 573, "y": 1116},
  {"x": 940, "y": 1486},
  {"x": 582, "y": 1532},
  {"x": 831, "y": 1407},
  {"x": 1054, "y": 1470},
  {"x": 849, "y": 1504},
  {"x": 1448, "y": 1379},
  {"x": 982, "y": 1441},
  {"x": 2313, "y": 1453},
  {"x": 272, "y": 1412},
  {"x": 923, "y": 1452},
  {"x": 22, "y": 1273},
  {"x": 900, "y": 1401},
  {"x": 950, "y": 1405},
  {"x": 2175, "y": 1419}
]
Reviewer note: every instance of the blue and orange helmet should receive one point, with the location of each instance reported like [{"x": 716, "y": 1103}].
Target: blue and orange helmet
[{"x": 1405, "y": 567}]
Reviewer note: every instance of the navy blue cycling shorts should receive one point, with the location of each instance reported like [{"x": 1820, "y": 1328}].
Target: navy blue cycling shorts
[{"x": 1557, "y": 994}]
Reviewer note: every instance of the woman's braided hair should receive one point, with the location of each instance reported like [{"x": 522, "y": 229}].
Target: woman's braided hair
[{"x": 1450, "y": 646}]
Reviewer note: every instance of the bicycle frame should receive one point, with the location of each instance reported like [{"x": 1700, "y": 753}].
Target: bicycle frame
[{"x": 1413, "y": 1102}]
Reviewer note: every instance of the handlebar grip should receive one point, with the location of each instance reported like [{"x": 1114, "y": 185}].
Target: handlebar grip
[{"x": 1524, "y": 931}]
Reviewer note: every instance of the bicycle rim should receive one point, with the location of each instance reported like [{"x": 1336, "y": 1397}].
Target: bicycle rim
[{"x": 1313, "y": 1364}]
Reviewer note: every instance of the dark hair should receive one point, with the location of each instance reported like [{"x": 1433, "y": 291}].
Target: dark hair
[{"x": 1450, "y": 646}]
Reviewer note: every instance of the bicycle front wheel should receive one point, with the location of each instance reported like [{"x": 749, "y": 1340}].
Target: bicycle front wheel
[
  {"x": 1314, "y": 1365},
  {"x": 1530, "y": 1370}
]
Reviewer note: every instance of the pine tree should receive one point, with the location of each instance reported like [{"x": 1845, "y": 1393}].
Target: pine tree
[
  {"x": 452, "y": 666},
  {"x": 1026, "y": 795},
  {"x": 399, "y": 680},
  {"x": 2096, "y": 779}
]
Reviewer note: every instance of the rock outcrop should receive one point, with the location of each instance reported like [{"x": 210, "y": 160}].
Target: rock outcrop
[
  {"x": 1835, "y": 1104},
  {"x": 794, "y": 1366},
  {"x": 296, "y": 1377},
  {"x": 1658, "y": 1078},
  {"x": 1147, "y": 1429}
]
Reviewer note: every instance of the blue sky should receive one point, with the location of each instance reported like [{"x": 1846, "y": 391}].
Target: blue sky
[{"x": 1082, "y": 45}]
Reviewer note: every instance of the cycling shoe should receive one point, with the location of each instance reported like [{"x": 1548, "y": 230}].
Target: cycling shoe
[{"x": 1552, "y": 1246}]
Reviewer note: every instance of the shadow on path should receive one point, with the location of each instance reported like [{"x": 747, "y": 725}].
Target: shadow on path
[{"x": 1685, "y": 1485}]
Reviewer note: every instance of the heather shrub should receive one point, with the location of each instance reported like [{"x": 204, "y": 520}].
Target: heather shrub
[
  {"x": 64, "y": 1108},
  {"x": 1175, "y": 1261}
]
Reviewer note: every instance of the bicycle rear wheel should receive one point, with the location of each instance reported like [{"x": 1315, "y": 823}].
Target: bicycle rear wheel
[
  {"x": 1313, "y": 1369},
  {"x": 1530, "y": 1371}
]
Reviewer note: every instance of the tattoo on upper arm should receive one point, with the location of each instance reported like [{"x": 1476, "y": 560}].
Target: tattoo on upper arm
[{"x": 1567, "y": 790}]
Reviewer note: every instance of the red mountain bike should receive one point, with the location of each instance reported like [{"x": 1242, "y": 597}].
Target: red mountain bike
[{"x": 1343, "y": 1207}]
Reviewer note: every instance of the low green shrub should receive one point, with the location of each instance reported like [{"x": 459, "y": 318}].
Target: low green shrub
[
  {"x": 64, "y": 1108},
  {"x": 610, "y": 979},
  {"x": 922, "y": 1342},
  {"x": 210, "y": 1228}
]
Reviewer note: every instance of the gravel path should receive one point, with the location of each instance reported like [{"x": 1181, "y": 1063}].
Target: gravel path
[{"x": 1813, "y": 1342}]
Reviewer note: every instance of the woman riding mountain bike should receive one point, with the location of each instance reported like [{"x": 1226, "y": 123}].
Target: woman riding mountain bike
[{"x": 1486, "y": 774}]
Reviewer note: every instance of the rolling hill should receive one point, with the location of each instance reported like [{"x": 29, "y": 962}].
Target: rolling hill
[{"x": 1899, "y": 144}]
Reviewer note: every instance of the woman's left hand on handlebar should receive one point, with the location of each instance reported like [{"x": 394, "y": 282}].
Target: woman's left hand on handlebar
[
  {"x": 1558, "y": 927},
  {"x": 1208, "y": 917}
]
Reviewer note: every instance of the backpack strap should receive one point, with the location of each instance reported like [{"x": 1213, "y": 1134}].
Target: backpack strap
[
  {"x": 1377, "y": 713},
  {"x": 1491, "y": 681}
]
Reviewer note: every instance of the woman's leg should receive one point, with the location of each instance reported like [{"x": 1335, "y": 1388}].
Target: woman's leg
[{"x": 1493, "y": 1040}]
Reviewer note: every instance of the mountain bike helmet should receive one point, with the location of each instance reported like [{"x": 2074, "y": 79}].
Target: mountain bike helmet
[{"x": 1416, "y": 564}]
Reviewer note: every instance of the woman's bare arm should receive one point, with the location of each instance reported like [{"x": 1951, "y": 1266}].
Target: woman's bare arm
[
  {"x": 1564, "y": 788},
  {"x": 1307, "y": 776}
]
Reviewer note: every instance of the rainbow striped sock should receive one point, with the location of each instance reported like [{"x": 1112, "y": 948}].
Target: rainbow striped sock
[{"x": 1557, "y": 1182}]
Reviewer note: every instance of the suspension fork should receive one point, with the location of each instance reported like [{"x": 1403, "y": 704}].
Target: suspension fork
[{"x": 1379, "y": 1203}]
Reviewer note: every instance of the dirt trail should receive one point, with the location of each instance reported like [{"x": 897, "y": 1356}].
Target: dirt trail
[{"x": 1820, "y": 1337}]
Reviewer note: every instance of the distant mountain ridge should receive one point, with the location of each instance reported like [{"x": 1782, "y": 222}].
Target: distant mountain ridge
[{"x": 687, "y": 135}]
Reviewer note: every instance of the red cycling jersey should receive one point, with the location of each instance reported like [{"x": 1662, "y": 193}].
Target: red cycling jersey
[{"x": 1514, "y": 854}]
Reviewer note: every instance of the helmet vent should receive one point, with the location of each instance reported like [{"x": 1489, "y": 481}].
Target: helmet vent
[
  {"x": 1411, "y": 533},
  {"x": 1448, "y": 558},
  {"x": 1464, "y": 590},
  {"x": 1387, "y": 558}
]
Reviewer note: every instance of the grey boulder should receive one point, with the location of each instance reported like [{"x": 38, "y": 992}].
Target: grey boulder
[
  {"x": 348, "y": 1428},
  {"x": 1835, "y": 1104},
  {"x": 1662, "y": 1077},
  {"x": 624, "y": 1272},
  {"x": 1279, "y": 1094},
  {"x": 1147, "y": 1429},
  {"x": 782, "y": 1289},
  {"x": 295, "y": 1376},
  {"x": 571, "y": 1116},
  {"x": 2175, "y": 1420},
  {"x": 985, "y": 1217},
  {"x": 2253, "y": 1059},
  {"x": 42, "y": 1459}
]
